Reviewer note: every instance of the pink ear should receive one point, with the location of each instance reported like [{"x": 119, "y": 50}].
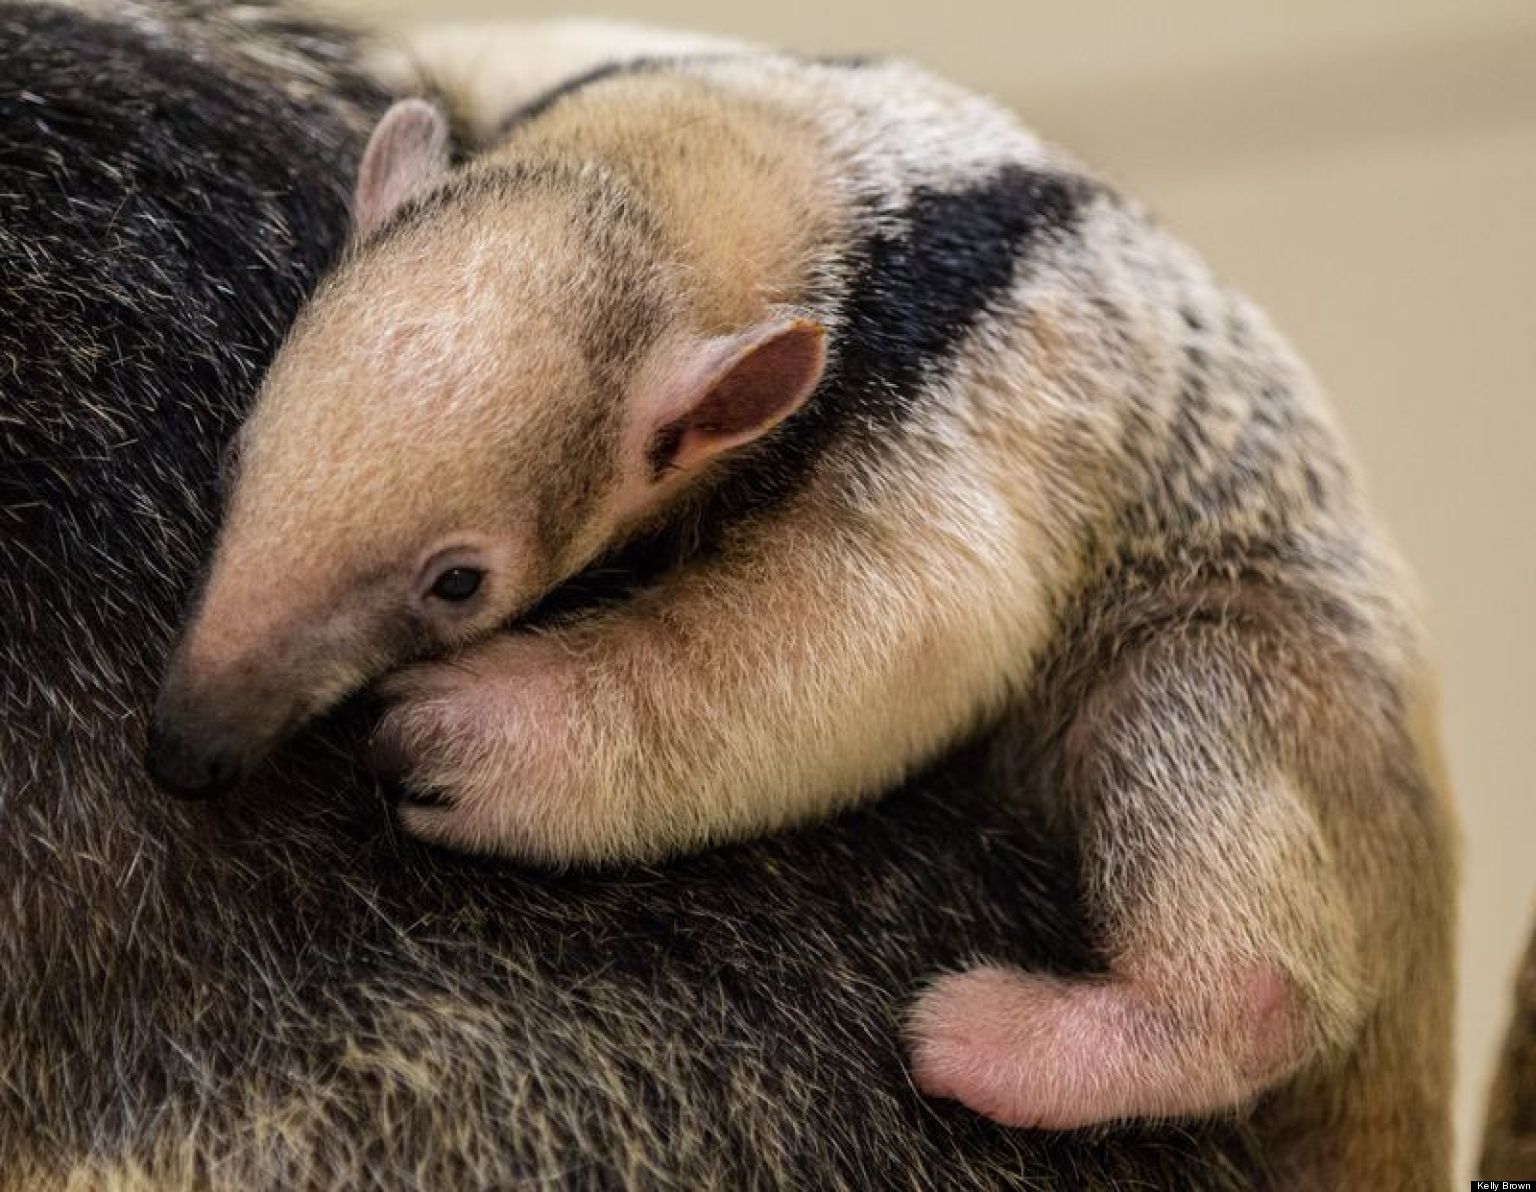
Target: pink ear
[
  {"x": 732, "y": 391},
  {"x": 407, "y": 156}
]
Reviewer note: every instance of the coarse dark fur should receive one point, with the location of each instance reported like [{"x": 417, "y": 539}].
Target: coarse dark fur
[
  {"x": 280, "y": 991},
  {"x": 1053, "y": 472}
]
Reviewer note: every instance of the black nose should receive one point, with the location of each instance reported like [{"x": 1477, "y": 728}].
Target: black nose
[{"x": 189, "y": 771}]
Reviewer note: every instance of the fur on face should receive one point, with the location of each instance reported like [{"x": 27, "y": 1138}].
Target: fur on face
[
  {"x": 281, "y": 991},
  {"x": 1049, "y": 474}
]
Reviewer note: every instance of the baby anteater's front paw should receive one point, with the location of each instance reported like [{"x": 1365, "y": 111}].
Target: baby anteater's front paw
[{"x": 487, "y": 737}]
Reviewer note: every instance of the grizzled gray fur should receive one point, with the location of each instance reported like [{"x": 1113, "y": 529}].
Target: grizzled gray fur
[{"x": 281, "y": 990}]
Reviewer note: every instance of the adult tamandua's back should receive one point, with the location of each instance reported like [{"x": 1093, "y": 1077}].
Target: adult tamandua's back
[{"x": 937, "y": 426}]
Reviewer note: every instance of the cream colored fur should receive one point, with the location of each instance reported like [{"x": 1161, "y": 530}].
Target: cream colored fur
[
  {"x": 486, "y": 70},
  {"x": 1265, "y": 842}
]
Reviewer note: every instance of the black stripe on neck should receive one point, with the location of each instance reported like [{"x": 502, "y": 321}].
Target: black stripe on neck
[{"x": 918, "y": 283}]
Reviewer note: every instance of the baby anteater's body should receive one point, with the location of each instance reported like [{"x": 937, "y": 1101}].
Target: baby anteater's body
[{"x": 937, "y": 429}]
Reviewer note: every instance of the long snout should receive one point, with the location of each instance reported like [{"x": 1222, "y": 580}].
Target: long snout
[
  {"x": 188, "y": 762},
  {"x": 233, "y": 689},
  {"x": 238, "y": 684},
  {"x": 209, "y": 730}
]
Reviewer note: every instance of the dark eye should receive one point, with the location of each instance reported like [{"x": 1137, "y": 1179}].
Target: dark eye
[{"x": 457, "y": 583}]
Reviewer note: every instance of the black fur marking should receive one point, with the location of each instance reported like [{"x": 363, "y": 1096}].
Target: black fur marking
[
  {"x": 535, "y": 108},
  {"x": 541, "y": 104},
  {"x": 914, "y": 295},
  {"x": 178, "y": 979},
  {"x": 916, "y": 292}
]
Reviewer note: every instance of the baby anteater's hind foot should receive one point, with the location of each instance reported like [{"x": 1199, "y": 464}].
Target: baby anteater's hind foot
[{"x": 1038, "y": 1051}]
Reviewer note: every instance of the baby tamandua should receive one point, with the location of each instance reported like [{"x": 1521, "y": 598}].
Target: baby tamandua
[{"x": 949, "y": 428}]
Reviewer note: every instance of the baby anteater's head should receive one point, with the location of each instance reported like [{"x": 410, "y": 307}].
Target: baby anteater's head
[{"x": 504, "y": 378}]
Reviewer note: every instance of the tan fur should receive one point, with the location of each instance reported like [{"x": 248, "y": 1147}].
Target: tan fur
[
  {"x": 401, "y": 322},
  {"x": 483, "y": 71},
  {"x": 684, "y": 736},
  {"x": 1204, "y": 612}
]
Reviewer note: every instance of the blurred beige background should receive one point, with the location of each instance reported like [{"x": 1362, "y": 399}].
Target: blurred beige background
[{"x": 1367, "y": 169}]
